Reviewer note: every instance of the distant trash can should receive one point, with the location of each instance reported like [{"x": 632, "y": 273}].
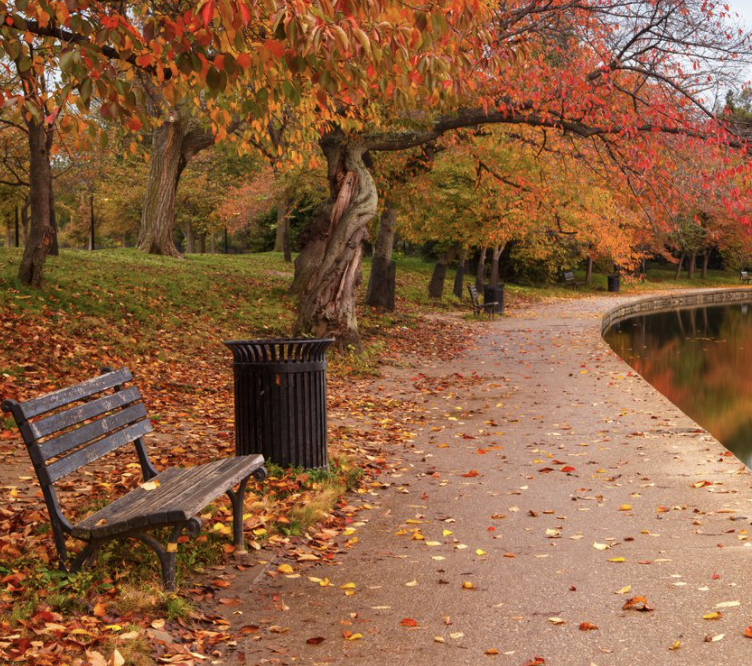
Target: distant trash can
[
  {"x": 494, "y": 294},
  {"x": 613, "y": 283},
  {"x": 280, "y": 400}
]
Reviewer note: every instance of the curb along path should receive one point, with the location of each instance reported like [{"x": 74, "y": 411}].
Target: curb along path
[{"x": 543, "y": 494}]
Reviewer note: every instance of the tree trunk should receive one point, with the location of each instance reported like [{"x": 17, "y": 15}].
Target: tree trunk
[
  {"x": 589, "y": 271},
  {"x": 679, "y": 267},
  {"x": 494, "y": 281},
  {"x": 213, "y": 243},
  {"x": 55, "y": 247},
  {"x": 202, "y": 242},
  {"x": 158, "y": 214},
  {"x": 8, "y": 233},
  {"x": 436, "y": 285},
  {"x": 692, "y": 264},
  {"x": 190, "y": 241},
  {"x": 173, "y": 146},
  {"x": 705, "y": 260},
  {"x": 327, "y": 271},
  {"x": 40, "y": 233},
  {"x": 459, "y": 276},
  {"x": 25, "y": 221},
  {"x": 282, "y": 239},
  {"x": 380, "y": 288},
  {"x": 480, "y": 274}
]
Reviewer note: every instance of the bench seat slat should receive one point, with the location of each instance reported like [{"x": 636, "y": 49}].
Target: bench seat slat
[
  {"x": 181, "y": 494},
  {"x": 51, "y": 424},
  {"x": 86, "y": 433},
  {"x": 77, "y": 459},
  {"x": 65, "y": 396}
]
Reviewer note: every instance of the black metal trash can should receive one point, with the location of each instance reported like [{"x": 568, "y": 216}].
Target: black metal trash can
[
  {"x": 280, "y": 400},
  {"x": 494, "y": 294},
  {"x": 613, "y": 282}
]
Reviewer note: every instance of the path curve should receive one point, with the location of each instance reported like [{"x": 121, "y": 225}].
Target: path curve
[{"x": 569, "y": 485}]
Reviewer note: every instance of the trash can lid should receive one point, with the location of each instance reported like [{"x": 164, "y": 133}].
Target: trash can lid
[{"x": 278, "y": 349}]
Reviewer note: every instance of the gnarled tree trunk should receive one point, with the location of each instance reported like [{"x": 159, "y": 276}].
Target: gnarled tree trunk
[
  {"x": 692, "y": 264},
  {"x": 679, "y": 267},
  {"x": 40, "y": 233},
  {"x": 589, "y": 271},
  {"x": 327, "y": 271},
  {"x": 380, "y": 288},
  {"x": 705, "y": 260}
]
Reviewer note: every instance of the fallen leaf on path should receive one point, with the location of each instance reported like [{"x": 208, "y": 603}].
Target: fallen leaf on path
[
  {"x": 638, "y": 604},
  {"x": 586, "y": 626},
  {"x": 316, "y": 640},
  {"x": 408, "y": 622}
]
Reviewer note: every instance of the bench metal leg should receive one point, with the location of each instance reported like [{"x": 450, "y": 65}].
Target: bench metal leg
[
  {"x": 85, "y": 557},
  {"x": 237, "y": 497}
]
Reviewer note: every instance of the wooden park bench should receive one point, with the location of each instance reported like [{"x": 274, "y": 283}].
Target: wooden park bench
[
  {"x": 479, "y": 307},
  {"x": 70, "y": 428},
  {"x": 744, "y": 276},
  {"x": 569, "y": 280}
]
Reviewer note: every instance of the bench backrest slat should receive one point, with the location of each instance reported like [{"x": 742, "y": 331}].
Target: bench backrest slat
[
  {"x": 76, "y": 460},
  {"x": 65, "y": 396},
  {"x": 89, "y": 410},
  {"x": 473, "y": 293},
  {"x": 569, "y": 276},
  {"x": 744, "y": 275},
  {"x": 92, "y": 431}
]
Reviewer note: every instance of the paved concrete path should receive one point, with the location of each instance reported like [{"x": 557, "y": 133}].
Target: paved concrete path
[{"x": 554, "y": 485}]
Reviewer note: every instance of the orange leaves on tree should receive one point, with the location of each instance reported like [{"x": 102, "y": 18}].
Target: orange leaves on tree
[{"x": 275, "y": 47}]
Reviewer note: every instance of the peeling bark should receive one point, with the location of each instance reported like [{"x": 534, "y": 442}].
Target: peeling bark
[{"x": 327, "y": 271}]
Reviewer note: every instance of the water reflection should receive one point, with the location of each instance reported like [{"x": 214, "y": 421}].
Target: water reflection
[{"x": 701, "y": 360}]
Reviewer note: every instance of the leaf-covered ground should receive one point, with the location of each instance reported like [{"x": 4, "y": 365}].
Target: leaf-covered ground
[{"x": 165, "y": 320}]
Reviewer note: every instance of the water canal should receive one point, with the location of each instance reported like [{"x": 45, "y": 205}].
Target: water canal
[{"x": 700, "y": 359}]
